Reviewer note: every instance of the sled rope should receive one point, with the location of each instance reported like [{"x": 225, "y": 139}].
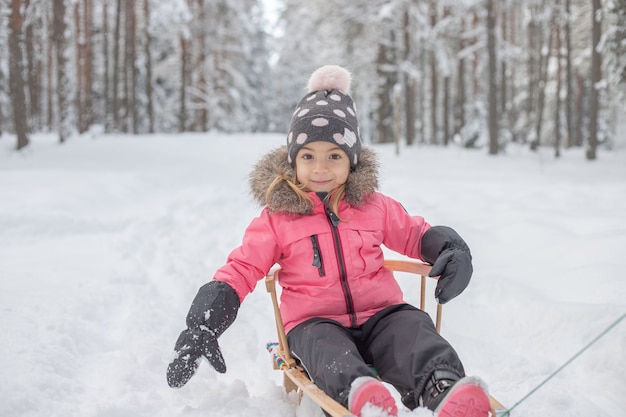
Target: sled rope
[{"x": 600, "y": 336}]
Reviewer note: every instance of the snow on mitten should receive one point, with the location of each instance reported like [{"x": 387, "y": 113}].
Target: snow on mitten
[{"x": 191, "y": 346}]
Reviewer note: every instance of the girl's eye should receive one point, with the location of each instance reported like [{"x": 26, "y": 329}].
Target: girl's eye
[
  {"x": 307, "y": 156},
  {"x": 335, "y": 156}
]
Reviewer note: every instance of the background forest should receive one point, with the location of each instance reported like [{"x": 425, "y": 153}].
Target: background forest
[{"x": 479, "y": 73}]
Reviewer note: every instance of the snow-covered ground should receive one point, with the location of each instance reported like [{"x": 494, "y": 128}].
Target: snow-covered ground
[{"x": 105, "y": 240}]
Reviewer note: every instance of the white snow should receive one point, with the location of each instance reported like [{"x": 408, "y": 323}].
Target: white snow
[{"x": 105, "y": 240}]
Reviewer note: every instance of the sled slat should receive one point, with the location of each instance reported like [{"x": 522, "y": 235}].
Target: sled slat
[
  {"x": 332, "y": 407},
  {"x": 413, "y": 267},
  {"x": 283, "y": 346},
  {"x": 497, "y": 409}
]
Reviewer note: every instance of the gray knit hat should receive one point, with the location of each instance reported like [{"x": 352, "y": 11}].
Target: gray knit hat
[{"x": 327, "y": 113}]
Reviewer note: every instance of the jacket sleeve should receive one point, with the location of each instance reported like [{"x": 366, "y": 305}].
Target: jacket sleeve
[
  {"x": 251, "y": 261},
  {"x": 403, "y": 232}
]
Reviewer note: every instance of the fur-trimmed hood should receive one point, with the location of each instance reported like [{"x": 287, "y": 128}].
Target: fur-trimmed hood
[{"x": 361, "y": 182}]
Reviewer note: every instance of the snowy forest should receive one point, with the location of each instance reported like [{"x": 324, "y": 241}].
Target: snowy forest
[
  {"x": 477, "y": 73},
  {"x": 128, "y": 130}
]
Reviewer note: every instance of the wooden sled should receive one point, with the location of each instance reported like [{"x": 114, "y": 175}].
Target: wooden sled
[{"x": 296, "y": 379}]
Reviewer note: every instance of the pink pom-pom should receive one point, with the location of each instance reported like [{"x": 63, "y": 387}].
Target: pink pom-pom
[{"x": 330, "y": 77}]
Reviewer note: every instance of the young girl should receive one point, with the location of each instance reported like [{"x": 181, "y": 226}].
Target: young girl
[{"x": 324, "y": 224}]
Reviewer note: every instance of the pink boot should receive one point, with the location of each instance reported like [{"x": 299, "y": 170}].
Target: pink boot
[
  {"x": 466, "y": 398},
  {"x": 370, "y": 390}
]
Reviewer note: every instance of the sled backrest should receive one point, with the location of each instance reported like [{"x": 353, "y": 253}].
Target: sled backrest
[
  {"x": 409, "y": 266},
  {"x": 421, "y": 269}
]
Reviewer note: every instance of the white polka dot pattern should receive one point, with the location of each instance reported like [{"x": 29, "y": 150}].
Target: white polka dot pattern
[{"x": 325, "y": 116}]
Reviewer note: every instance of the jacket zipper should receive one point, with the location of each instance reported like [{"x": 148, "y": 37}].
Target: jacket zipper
[
  {"x": 317, "y": 256},
  {"x": 334, "y": 222}
]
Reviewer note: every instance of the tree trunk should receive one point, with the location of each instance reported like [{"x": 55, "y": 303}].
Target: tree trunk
[
  {"x": 106, "y": 89},
  {"x": 493, "y": 76},
  {"x": 149, "y": 103},
  {"x": 446, "y": 95},
  {"x": 62, "y": 82},
  {"x": 34, "y": 64},
  {"x": 421, "y": 110},
  {"x": 397, "y": 122},
  {"x": 116, "y": 66},
  {"x": 202, "y": 104},
  {"x": 580, "y": 110},
  {"x": 459, "y": 103},
  {"x": 409, "y": 82},
  {"x": 557, "y": 98},
  {"x": 446, "y": 110},
  {"x": 596, "y": 62},
  {"x": 386, "y": 82},
  {"x": 184, "y": 81},
  {"x": 532, "y": 30},
  {"x": 125, "y": 74},
  {"x": 50, "y": 74},
  {"x": 512, "y": 109},
  {"x": 88, "y": 65},
  {"x": 476, "y": 57},
  {"x": 543, "y": 80},
  {"x": 130, "y": 68},
  {"x": 2, "y": 91},
  {"x": 84, "y": 22},
  {"x": 504, "y": 24},
  {"x": 16, "y": 82},
  {"x": 434, "y": 80},
  {"x": 569, "y": 78},
  {"x": 80, "y": 59}
]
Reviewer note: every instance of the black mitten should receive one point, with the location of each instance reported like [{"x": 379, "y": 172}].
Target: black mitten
[
  {"x": 191, "y": 346},
  {"x": 451, "y": 260},
  {"x": 213, "y": 310}
]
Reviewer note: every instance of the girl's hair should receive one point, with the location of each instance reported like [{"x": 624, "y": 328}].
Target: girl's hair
[{"x": 334, "y": 196}]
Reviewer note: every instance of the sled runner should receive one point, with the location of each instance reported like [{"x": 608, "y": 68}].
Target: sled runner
[{"x": 296, "y": 379}]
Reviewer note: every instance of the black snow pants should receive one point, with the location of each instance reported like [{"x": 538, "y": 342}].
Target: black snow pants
[{"x": 400, "y": 342}]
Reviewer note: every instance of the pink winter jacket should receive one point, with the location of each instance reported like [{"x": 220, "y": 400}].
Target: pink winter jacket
[{"x": 331, "y": 271}]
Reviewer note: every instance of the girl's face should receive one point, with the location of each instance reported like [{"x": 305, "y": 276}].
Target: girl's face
[{"x": 322, "y": 166}]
